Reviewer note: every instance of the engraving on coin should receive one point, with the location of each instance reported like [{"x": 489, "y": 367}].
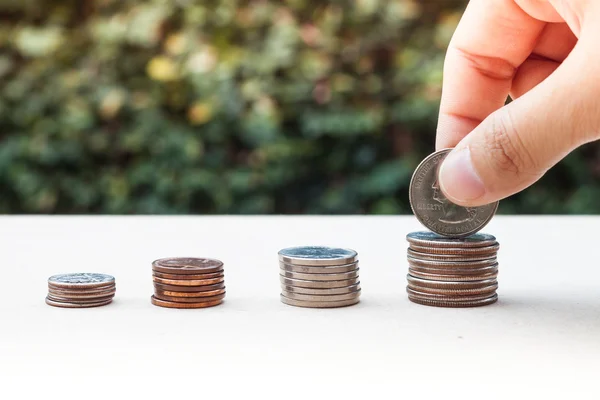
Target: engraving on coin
[
  {"x": 435, "y": 211},
  {"x": 80, "y": 279},
  {"x": 317, "y": 255}
]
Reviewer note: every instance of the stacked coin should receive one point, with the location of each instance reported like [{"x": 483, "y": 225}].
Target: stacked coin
[
  {"x": 188, "y": 282},
  {"x": 80, "y": 290},
  {"x": 319, "y": 277},
  {"x": 447, "y": 272}
]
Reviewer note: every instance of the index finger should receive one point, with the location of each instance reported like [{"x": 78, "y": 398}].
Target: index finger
[{"x": 492, "y": 39}]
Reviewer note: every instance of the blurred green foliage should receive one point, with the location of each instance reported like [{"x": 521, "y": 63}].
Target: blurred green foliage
[{"x": 231, "y": 106}]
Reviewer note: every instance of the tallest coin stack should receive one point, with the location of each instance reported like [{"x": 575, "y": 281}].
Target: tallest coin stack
[{"x": 452, "y": 266}]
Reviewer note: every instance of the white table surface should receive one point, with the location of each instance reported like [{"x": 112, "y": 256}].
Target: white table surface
[{"x": 542, "y": 337}]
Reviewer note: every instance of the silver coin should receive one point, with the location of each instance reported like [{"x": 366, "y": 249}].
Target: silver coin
[
  {"x": 454, "y": 304},
  {"x": 313, "y": 269},
  {"x": 320, "y": 277},
  {"x": 452, "y": 278},
  {"x": 79, "y": 300},
  {"x": 456, "y": 271},
  {"x": 317, "y": 255},
  {"x": 449, "y": 285},
  {"x": 327, "y": 297},
  {"x": 449, "y": 257},
  {"x": 51, "y": 302},
  {"x": 81, "y": 295},
  {"x": 318, "y": 304},
  {"x": 80, "y": 280},
  {"x": 468, "y": 251},
  {"x": 452, "y": 264},
  {"x": 318, "y": 284},
  {"x": 435, "y": 211},
  {"x": 320, "y": 292},
  {"x": 429, "y": 296},
  {"x": 455, "y": 292},
  {"x": 426, "y": 238}
]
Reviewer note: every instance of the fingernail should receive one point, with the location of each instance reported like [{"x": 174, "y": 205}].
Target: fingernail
[{"x": 458, "y": 179}]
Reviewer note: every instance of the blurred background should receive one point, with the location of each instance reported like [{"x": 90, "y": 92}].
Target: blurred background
[{"x": 231, "y": 106}]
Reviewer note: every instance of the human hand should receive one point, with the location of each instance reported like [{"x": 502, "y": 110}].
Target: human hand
[{"x": 546, "y": 55}]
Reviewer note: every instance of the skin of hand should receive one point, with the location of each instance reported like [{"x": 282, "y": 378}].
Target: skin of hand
[{"x": 545, "y": 54}]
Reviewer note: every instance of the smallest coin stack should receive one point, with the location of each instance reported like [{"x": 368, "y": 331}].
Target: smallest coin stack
[
  {"x": 188, "y": 282},
  {"x": 80, "y": 290},
  {"x": 319, "y": 277},
  {"x": 445, "y": 272}
]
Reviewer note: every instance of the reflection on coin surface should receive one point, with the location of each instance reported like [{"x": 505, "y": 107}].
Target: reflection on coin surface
[
  {"x": 435, "y": 211},
  {"x": 426, "y": 238},
  {"x": 175, "y": 299},
  {"x": 208, "y": 293},
  {"x": 449, "y": 257},
  {"x": 429, "y": 296},
  {"x": 82, "y": 295},
  {"x": 327, "y": 297},
  {"x": 317, "y": 255},
  {"x": 451, "y": 264},
  {"x": 413, "y": 280},
  {"x": 320, "y": 277},
  {"x": 456, "y": 271},
  {"x": 317, "y": 284},
  {"x": 172, "y": 304},
  {"x": 455, "y": 292},
  {"x": 187, "y": 265},
  {"x": 301, "y": 290},
  {"x": 189, "y": 282},
  {"x": 465, "y": 251},
  {"x": 313, "y": 269},
  {"x": 174, "y": 288},
  {"x": 79, "y": 280},
  {"x": 318, "y": 304},
  {"x": 450, "y": 278}
]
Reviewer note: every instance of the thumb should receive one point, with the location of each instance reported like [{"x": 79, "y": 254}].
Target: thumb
[{"x": 516, "y": 145}]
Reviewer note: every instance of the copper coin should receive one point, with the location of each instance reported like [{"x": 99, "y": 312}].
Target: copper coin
[
  {"x": 81, "y": 296},
  {"x": 217, "y": 274},
  {"x": 427, "y": 238},
  {"x": 209, "y": 293},
  {"x": 455, "y": 292},
  {"x": 189, "y": 299},
  {"x": 190, "y": 282},
  {"x": 455, "y": 304},
  {"x": 76, "y": 305},
  {"x": 318, "y": 304},
  {"x": 448, "y": 257},
  {"x": 456, "y": 271},
  {"x": 469, "y": 251},
  {"x": 452, "y": 264},
  {"x": 301, "y": 290},
  {"x": 317, "y": 284},
  {"x": 173, "y": 288},
  {"x": 187, "y": 265},
  {"x": 78, "y": 300},
  {"x": 456, "y": 278},
  {"x": 171, "y": 304},
  {"x": 312, "y": 269},
  {"x": 320, "y": 277},
  {"x": 449, "y": 285},
  {"x": 327, "y": 297},
  {"x": 81, "y": 280},
  {"x": 428, "y": 296}
]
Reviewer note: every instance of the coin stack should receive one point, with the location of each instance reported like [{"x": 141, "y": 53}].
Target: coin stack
[
  {"x": 319, "y": 277},
  {"x": 80, "y": 290},
  {"x": 445, "y": 272},
  {"x": 188, "y": 282}
]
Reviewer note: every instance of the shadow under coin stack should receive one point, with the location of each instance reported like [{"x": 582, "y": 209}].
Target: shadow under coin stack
[
  {"x": 446, "y": 272},
  {"x": 319, "y": 277},
  {"x": 80, "y": 290},
  {"x": 188, "y": 282}
]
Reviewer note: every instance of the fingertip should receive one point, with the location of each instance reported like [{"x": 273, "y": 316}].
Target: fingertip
[{"x": 459, "y": 181}]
